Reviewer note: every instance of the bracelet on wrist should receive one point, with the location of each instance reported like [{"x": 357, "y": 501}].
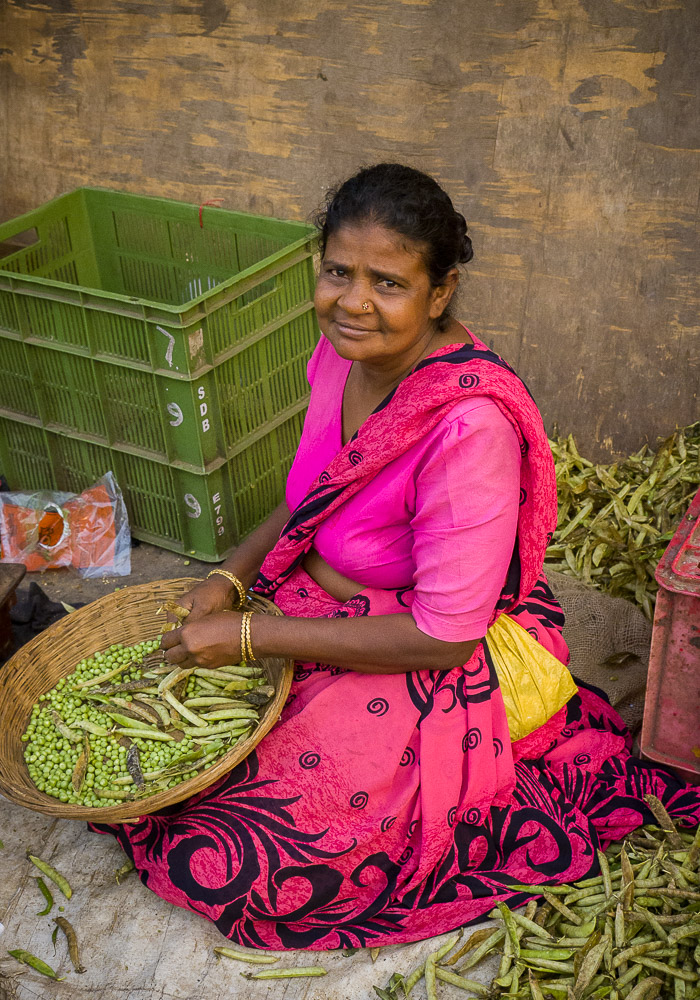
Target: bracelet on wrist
[
  {"x": 240, "y": 589},
  {"x": 246, "y": 643}
]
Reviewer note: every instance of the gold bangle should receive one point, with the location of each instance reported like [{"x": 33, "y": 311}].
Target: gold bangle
[
  {"x": 243, "y": 646},
  {"x": 248, "y": 640},
  {"x": 240, "y": 589},
  {"x": 246, "y": 644}
]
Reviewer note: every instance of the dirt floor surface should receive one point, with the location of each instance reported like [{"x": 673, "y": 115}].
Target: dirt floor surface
[
  {"x": 147, "y": 563},
  {"x": 135, "y": 946}
]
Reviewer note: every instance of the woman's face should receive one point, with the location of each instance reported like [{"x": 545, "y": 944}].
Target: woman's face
[{"x": 367, "y": 263}]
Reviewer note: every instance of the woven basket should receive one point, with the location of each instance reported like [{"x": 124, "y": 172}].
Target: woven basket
[{"x": 126, "y": 616}]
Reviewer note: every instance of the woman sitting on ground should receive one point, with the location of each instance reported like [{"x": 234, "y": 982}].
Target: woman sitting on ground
[{"x": 390, "y": 802}]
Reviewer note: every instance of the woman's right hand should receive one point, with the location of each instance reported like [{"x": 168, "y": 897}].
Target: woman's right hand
[{"x": 216, "y": 593}]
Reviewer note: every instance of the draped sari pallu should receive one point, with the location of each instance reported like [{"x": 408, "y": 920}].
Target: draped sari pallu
[{"x": 385, "y": 808}]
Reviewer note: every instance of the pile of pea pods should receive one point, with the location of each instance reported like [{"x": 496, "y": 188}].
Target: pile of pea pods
[{"x": 630, "y": 933}]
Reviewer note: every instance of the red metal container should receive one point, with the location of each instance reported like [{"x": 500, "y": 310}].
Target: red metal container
[{"x": 671, "y": 727}]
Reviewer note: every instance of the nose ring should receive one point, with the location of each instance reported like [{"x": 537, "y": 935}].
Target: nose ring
[{"x": 365, "y": 306}]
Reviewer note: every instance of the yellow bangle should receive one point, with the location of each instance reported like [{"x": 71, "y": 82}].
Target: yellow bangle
[
  {"x": 240, "y": 589},
  {"x": 246, "y": 644}
]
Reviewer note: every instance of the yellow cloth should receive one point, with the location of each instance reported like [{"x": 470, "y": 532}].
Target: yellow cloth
[{"x": 534, "y": 684}]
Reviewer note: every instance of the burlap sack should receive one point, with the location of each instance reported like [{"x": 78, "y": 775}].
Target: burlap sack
[{"x": 609, "y": 639}]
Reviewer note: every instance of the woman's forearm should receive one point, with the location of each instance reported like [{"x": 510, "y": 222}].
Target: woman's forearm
[
  {"x": 372, "y": 644},
  {"x": 246, "y": 561}
]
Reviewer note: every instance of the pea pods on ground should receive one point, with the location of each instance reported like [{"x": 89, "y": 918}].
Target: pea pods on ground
[{"x": 633, "y": 931}]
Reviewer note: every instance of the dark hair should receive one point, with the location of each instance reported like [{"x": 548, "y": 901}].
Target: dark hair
[{"x": 410, "y": 203}]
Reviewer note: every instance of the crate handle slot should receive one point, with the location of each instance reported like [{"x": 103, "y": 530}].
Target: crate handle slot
[{"x": 18, "y": 242}]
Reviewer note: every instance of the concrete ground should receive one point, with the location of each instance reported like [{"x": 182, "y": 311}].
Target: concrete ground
[
  {"x": 134, "y": 945},
  {"x": 147, "y": 563}
]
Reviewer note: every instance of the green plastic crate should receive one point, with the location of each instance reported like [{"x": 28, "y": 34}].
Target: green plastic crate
[
  {"x": 204, "y": 514},
  {"x": 138, "y": 335}
]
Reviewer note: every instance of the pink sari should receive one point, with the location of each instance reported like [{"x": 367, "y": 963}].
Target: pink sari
[{"x": 386, "y": 808}]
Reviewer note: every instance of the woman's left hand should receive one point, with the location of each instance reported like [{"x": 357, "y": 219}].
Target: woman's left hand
[{"x": 214, "y": 641}]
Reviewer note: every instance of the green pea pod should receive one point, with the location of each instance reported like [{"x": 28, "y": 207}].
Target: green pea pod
[
  {"x": 691, "y": 929},
  {"x": 551, "y": 965},
  {"x": 477, "y": 938},
  {"x": 605, "y": 872},
  {"x": 632, "y": 953},
  {"x": 562, "y": 987},
  {"x": 657, "y": 927},
  {"x": 254, "y": 958},
  {"x": 241, "y": 671},
  {"x": 47, "y": 896},
  {"x": 646, "y": 990},
  {"x": 185, "y": 713},
  {"x": 91, "y": 727},
  {"x": 129, "y": 721},
  {"x": 143, "y": 733},
  {"x": 447, "y": 946},
  {"x": 430, "y": 978},
  {"x": 113, "y": 793},
  {"x": 619, "y": 926},
  {"x": 627, "y": 879},
  {"x": 447, "y": 976},
  {"x": 591, "y": 943},
  {"x": 530, "y": 925},
  {"x": 65, "y": 731},
  {"x": 299, "y": 972},
  {"x": 628, "y": 977},
  {"x": 664, "y": 821},
  {"x": 35, "y": 963},
  {"x": 564, "y": 910},
  {"x": 539, "y": 890},
  {"x": 229, "y": 713},
  {"x": 588, "y": 968},
  {"x": 411, "y": 980},
  {"x": 484, "y": 948},
  {"x": 553, "y": 954},
  {"x": 94, "y": 681},
  {"x": 510, "y": 929},
  {"x": 668, "y": 970},
  {"x": 237, "y": 684},
  {"x": 51, "y": 873},
  {"x": 535, "y": 988},
  {"x": 235, "y": 724}
]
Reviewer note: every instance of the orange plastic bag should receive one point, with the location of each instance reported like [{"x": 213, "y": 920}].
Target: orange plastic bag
[{"x": 89, "y": 531}]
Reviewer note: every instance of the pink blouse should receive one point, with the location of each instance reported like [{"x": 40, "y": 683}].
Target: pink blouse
[{"x": 441, "y": 518}]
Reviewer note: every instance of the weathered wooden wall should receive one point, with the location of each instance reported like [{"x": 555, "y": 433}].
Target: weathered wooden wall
[{"x": 567, "y": 130}]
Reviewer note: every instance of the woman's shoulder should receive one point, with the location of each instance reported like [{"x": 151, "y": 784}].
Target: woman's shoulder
[{"x": 475, "y": 414}]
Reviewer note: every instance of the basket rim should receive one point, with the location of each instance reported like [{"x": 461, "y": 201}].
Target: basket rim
[{"x": 29, "y": 658}]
